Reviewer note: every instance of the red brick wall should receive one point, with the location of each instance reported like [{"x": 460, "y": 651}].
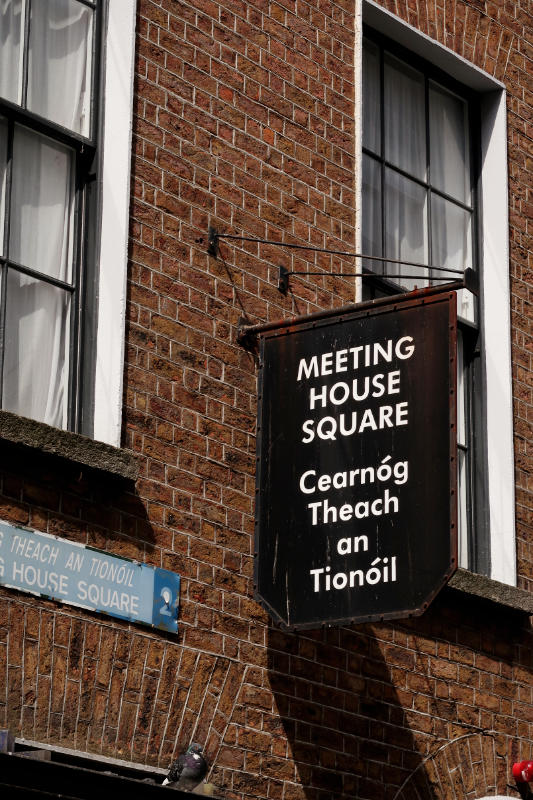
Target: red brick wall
[{"x": 244, "y": 119}]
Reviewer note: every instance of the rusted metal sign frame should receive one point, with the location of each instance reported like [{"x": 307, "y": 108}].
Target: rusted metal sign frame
[{"x": 424, "y": 297}]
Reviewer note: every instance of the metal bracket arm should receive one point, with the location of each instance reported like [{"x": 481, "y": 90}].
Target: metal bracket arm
[{"x": 469, "y": 278}]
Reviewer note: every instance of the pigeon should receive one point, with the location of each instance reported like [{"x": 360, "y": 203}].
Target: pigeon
[{"x": 188, "y": 770}]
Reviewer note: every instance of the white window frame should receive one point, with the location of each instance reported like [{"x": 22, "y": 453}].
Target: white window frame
[
  {"x": 494, "y": 256},
  {"x": 118, "y": 49}
]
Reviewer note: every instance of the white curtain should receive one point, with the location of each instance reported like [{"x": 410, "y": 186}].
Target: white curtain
[
  {"x": 451, "y": 235},
  {"x": 405, "y": 147},
  {"x": 36, "y": 350},
  {"x": 41, "y": 204},
  {"x": 405, "y": 127},
  {"x": 37, "y": 319},
  {"x": 449, "y": 145},
  {"x": 11, "y": 36},
  {"x": 59, "y": 79},
  {"x": 451, "y": 241},
  {"x": 406, "y": 227}
]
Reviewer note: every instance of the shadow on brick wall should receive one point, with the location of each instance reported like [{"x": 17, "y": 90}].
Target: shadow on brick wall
[
  {"x": 54, "y": 495},
  {"x": 431, "y": 708}
]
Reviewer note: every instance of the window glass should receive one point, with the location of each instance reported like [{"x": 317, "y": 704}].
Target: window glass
[
  {"x": 371, "y": 98},
  {"x": 49, "y": 55},
  {"x": 372, "y": 226},
  {"x": 451, "y": 235},
  {"x": 462, "y": 452},
  {"x": 423, "y": 170},
  {"x": 405, "y": 226},
  {"x": 3, "y": 172},
  {"x": 41, "y": 225},
  {"x": 46, "y": 64},
  {"x": 36, "y": 350},
  {"x": 11, "y": 37},
  {"x": 417, "y": 199},
  {"x": 405, "y": 127},
  {"x": 59, "y": 69},
  {"x": 449, "y": 143}
]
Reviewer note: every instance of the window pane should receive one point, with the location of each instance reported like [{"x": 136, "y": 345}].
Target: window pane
[
  {"x": 371, "y": 241},
  {"x": 59, "y": 80},
  {"x": 371, "y": 98},
  {"x": 36, "y": 350},
  {"x": 3, "y": 168},
  {"x": 11, "y": 37},
  {"x": 451, "y": 235},
  {"x": 405, "y": 128},
  {"x": 461, "y": 391},
  {"x": 405, "y": 227},
  {"x": 449, "y": 145},
  {"x": 462, "y": 453},
  {"x": 41, "y": 226},
  {"x": 462, "y": 515}
]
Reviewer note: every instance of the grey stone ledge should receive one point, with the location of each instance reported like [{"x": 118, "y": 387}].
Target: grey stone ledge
[
  {"x": 489, "y": 589},
  {"x": 67, "y": 445}
]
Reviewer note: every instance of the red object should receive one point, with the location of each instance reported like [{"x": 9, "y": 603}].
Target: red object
[{"x": 523, "y": 771}]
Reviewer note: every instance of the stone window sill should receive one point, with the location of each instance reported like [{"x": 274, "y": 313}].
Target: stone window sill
[
  {"x": 501, "y": 593},
  {"x": 73, "y": 447}
]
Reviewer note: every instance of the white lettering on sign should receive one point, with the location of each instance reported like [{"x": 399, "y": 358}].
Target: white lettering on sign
[
  {"x": 37, "y": 578},
  {"x": 75, "y": 561},
  {"x": 399, "y": 471},
  {"x": 111, "y": 571},
  {"x": 367, "y": 355},
  {"x": 34, "y": 549},
  {"x": 346, "y": 547},
  {"x": 359, "y": 389},
  {"x": 350, "y": 424},
  {"x": 338, "y": 423},
  {"x": 378, "y": 572},
  {"x": 323, "y": 513},
  {"x": 103, "y": 597}
]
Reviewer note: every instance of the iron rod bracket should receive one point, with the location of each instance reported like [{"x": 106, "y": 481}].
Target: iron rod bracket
[
  {"x": 470, "y": 279},
  {"x": 212, "y": 242},
  {"x": 283, "y": 282}
]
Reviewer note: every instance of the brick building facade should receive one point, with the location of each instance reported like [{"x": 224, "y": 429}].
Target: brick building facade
[{"x": 247, "y": 117}]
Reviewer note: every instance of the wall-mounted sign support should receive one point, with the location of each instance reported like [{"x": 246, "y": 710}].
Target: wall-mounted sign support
[
  {"x": 82, "y": 576},
  {"x": 356, "y": 479},
  {"x": 469, "y": 279}
]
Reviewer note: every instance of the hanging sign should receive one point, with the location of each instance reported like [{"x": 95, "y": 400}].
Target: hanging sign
[
  {"x": 83, "y": 576},
  {"x": 356, "y": 479}
]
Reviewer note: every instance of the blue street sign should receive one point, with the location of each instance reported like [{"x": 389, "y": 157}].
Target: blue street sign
[{"x": 89, "y": 578}]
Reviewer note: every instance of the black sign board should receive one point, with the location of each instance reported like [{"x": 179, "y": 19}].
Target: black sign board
[{"x": 356, "y": 480}]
